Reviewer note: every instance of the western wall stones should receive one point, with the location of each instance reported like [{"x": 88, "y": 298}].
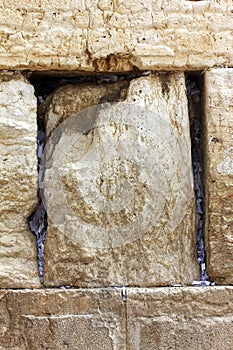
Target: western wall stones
[
  {"x": 119, "y": 186},
  {"x": 219, "y": 174},
  {"x": 115, "y": 35},
  {"x": 96, "y": 319},
  {"x": 18, "y": 182},
  {"x": 181, "y": 318},
  {"x": 58, "y": 319},
  {"x": 68, "y": 100},
  {"x": 118, "y": 182}
]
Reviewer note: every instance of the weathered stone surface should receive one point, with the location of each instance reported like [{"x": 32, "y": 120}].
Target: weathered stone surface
[
  {"x": 108, "y": 35},
  {"x": 119, "y": 192},
  {"x": 18, "y": 182},
  {"x": 57, "y": 319},
  {"x": 68, "y": 100},
  {"x": 180, "y": 318},
  {"x": 219, "y": 174},
  {"x": 155, "y": 318}
]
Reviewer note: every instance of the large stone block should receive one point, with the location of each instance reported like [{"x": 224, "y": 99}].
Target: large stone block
[
  {"x": 219, "y": 174},
  {"x": 180, "y": 318},
  {"x": 68, "y": 100},
  {"x": 119, "y": 187},
  {"x": 153, "y": 318},
  {"x": 58, "y": 319},
  {"x": 18, "y": 182},
  {"x": 108, "y": 35}
]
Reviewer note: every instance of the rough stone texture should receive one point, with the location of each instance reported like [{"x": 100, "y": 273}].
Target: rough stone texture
[
  {"x": 219, "y": 176},
  {"x": 115, "y": 35},
  {"x": 57, "y": 319},
  {"x": 180, "y": 318},
  {"x": 119, "y": 192},
  {"x": 18, "y": 182},
  {"x": 68, "y": 100},
  {"x": 159, "y": 318}
]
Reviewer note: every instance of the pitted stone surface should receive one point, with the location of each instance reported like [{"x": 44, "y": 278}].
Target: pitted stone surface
[
  {"x": 58, "y": 319},
  {"x": 108, "y": 35},
  {"x": 180, "y": 318},
  {"x": 119, "y": 189},
  {"x": 18, "y": 182},
  {"x": 68, "y": 100},
  {"x": 155, "y": 318},
  {"x": 219, "y": 179}
]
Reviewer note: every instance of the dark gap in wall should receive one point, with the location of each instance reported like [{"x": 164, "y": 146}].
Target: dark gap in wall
[{"x": 194, "y": 86}]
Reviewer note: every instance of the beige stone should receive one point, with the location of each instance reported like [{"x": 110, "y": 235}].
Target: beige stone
[
  {"x": 68, "y": 100},
  {"x": 119, "y": 191},
  {"x": 115, "y": 35},
  {"x": 58, "y": 319},
  {"x": 180, "y": 318},
  {"x": 18, "y": 182},
  {"x": 154, "y": 318},
  {"x": 219, "y": 173}
]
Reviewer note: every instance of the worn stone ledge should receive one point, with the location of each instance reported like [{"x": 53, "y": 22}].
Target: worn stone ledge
[
  {"x": 153, "y": 318},
  {"x": 58, "y": 319},
  {"x": 115, "y": 35}
]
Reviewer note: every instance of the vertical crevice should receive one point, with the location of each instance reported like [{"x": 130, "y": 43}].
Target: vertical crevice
[
  {"x": 194, "y": 83},
  {"x": 38, "y": 219}
]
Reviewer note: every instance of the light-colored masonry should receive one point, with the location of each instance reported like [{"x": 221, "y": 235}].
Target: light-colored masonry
[{"x": 118, "y": 184}]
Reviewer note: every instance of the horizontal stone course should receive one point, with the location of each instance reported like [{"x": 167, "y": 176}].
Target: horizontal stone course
[
  {"x": 116, "y": 35},
  {"x": 155, "y": 318},
  {"x": 57, "y": 319},
  {"x": 180, "y": 318}
]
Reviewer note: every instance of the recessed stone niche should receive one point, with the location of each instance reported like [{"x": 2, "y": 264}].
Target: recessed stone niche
[{"x": 119, "y": 184}]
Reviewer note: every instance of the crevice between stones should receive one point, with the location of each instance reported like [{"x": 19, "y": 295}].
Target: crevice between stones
[{"x": 194, "y": 83}]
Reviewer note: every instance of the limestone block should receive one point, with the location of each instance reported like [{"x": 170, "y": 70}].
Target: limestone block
[
  {"x": 108, "y": 35},
  {"x": 119, "y": 188},
  {"x": 219, "y": 175},
  {"x": 18, "y": 182},
  {"x": 155, "y": 318},
  {"x": 180, "y": 318},
  {"x": 69, "y": 100},
  {"x": 58, "y": 319}
]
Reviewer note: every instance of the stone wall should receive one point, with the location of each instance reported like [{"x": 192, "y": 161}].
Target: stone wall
[
  {"x": 115, "y": 35},
  {"x": 219, "y": 180},
  {"x": 152, "y": 318},
  {"x": 118, "y": 186},
  {"x": 123, "y": 192},
  {"x": 18, "y": 182}
]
